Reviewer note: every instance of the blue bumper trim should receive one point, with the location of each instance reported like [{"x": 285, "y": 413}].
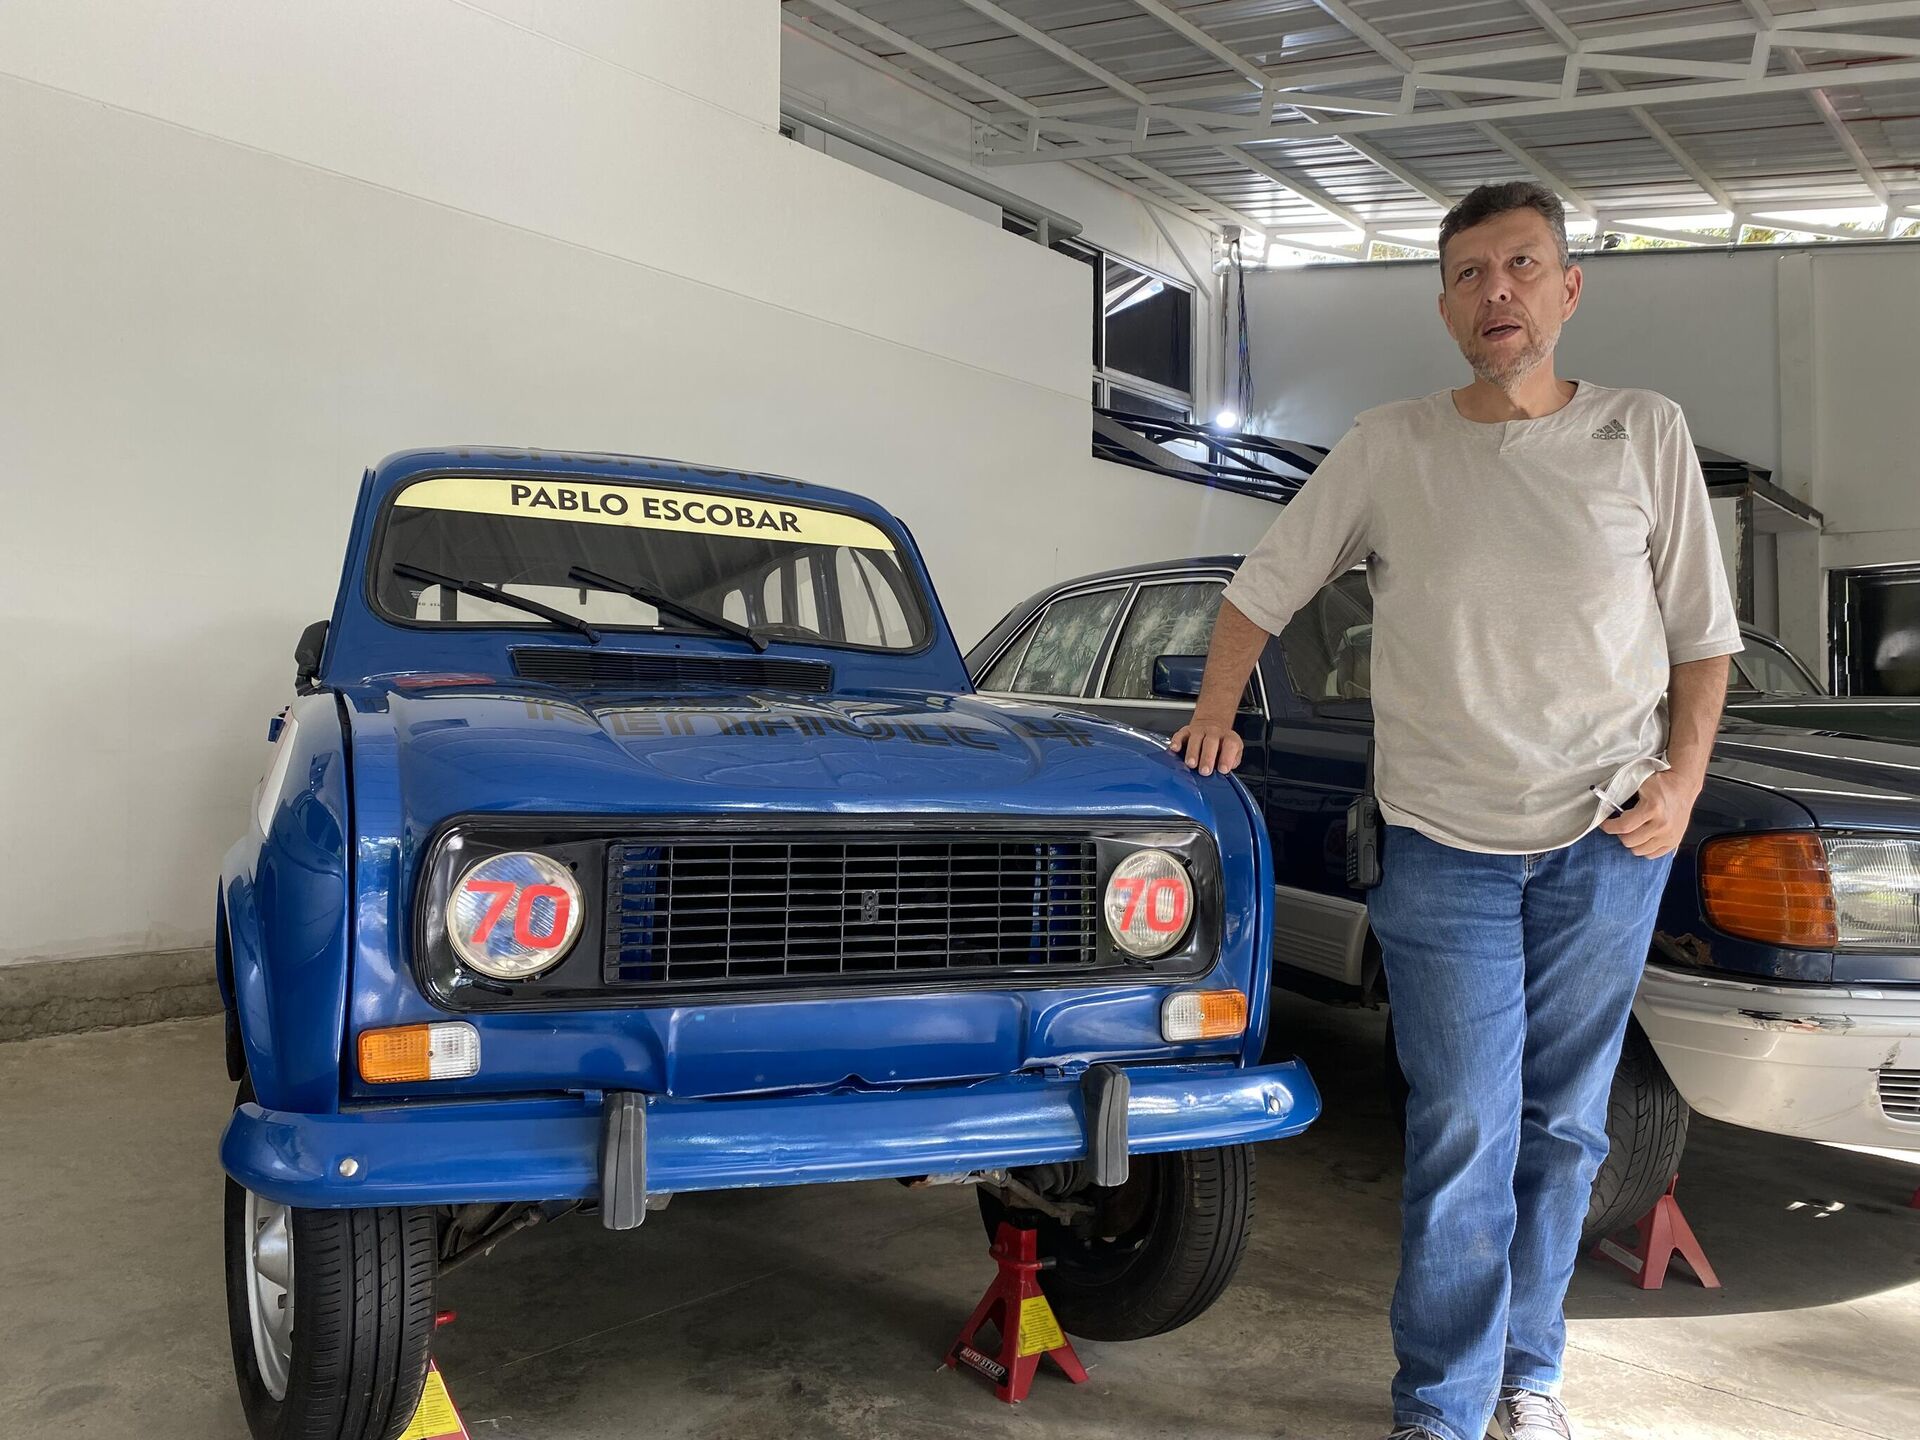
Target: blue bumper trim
[{"x": 450, "y": 1154}]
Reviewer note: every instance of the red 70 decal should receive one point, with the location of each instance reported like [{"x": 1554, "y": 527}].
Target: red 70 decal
[
  {"x": 506, "y": 894},
  {"x": 1135, "y": 889}
]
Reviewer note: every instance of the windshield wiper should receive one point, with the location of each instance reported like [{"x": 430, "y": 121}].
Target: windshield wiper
[
  {"x": 498, "y": 597},
  {"x": 647, "y": 595}
]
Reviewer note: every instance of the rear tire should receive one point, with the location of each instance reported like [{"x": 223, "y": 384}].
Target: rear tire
[
  {"x": 1646, "y": 1133},
  {"x": 1180, "y": 1227},
  {"x": 362, "y": 1284}
]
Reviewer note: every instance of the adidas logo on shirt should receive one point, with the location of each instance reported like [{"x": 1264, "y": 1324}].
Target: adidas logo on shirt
[{"x": 1612, "y": 430}]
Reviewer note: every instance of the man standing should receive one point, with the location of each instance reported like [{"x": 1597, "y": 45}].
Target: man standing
[{"x": 1551, "y": 627}]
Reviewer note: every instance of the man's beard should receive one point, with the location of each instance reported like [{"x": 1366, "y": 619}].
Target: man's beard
[{"x": 1511, "y": 367}]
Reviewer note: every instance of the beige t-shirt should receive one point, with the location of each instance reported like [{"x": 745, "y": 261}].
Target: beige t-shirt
[{"x": 1533, "y": 581}]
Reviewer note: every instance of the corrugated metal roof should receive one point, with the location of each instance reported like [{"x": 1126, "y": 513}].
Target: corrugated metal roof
[{"x": 1427, "y": 98}]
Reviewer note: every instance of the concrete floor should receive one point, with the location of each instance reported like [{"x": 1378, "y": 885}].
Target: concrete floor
[{"x": 824, "y": 1312}]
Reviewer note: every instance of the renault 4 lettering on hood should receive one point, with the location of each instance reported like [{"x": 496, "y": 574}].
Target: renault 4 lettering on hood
[{"x": 635, "y": 831}]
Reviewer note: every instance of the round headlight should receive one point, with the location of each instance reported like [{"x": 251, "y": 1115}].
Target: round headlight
[
  {"x": 515, "y": 915},
  {"x": 1149, "y": 903}
]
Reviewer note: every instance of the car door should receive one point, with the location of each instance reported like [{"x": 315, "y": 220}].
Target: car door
[{"x": 1173, "y": 614}]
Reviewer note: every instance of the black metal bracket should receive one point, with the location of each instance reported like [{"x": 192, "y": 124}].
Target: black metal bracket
[
  {"x": 1105, "y": 1092},
  {"x": 623, "y": 1159}
]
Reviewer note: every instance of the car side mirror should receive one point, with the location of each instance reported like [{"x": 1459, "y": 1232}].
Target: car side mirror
[
  {"x": 306, "y": 656},
  {"x": 1178, "y": 677}
]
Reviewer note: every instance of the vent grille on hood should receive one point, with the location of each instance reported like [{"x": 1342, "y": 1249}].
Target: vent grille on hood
[{"x": 626, "y": 670}]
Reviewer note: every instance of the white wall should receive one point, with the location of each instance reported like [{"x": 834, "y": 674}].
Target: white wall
[
  {"x": 1113, "y": 219},
  {"x": 1802, "y": 361},
  {"x": 246, "y": 250},
  {"x": 1331, "y": 340},
  {"x": 1866, "y": 404}
]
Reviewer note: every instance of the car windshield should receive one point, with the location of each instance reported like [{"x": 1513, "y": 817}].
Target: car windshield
[
  {"x": 1764, "y": 668},
  {"x": 785, "y": 571}
]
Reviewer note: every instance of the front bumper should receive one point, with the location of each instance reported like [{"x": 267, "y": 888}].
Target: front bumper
[
  {"x": 549, "y": 1149},
  {"x": 1796, "y": 1060}
]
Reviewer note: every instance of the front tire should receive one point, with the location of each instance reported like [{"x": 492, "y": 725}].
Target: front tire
[
  {"x": 347, "y": 1357},
  {"x": 1177, "y": 1229}
]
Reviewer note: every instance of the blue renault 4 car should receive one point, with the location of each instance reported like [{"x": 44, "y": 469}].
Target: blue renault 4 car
[
  {"x": 636, "y": 831},
  {"x": 1783, "y": 987}
]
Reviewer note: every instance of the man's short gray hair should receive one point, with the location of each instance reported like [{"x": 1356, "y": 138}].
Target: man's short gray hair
[{"x": 1484, "y": 202}]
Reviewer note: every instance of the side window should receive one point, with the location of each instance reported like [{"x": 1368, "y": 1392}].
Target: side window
[
  {"x": 1165, "y": 620},
  {"x": 1329, "y": 643},
  {"x": 1058, "y": 655},
  {"x": 1000, "y": 674}
]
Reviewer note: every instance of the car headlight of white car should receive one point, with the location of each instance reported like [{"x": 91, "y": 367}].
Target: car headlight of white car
[{"x": 1876, "y": 891}]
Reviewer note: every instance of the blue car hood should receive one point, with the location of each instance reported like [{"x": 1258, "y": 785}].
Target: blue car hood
[
  {"x": 466, "y": 751},
  {"x": 1842, "y": 780}
]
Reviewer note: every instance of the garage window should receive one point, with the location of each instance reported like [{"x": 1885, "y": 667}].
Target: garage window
[{"x": 1142, "y": 336}]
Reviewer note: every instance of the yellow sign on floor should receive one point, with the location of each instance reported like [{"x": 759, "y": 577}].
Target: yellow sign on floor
[
  {"x": 436, "y": 1419},
  {"x": 1039, "y": 1331}
]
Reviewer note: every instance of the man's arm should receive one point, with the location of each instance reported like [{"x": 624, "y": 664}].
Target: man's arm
[
  {"x": 1696, "y": 692},
  {"x": 1208, "y": 740},
  {"x": 1321, "y": 532}
]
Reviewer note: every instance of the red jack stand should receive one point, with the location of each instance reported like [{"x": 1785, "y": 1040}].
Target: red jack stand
[
  {"x": 1024, "y": 1320},
  {"x": 1661, "y": 1234}
]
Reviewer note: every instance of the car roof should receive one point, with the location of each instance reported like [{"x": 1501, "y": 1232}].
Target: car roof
[{"x": 1127, "y": 572}]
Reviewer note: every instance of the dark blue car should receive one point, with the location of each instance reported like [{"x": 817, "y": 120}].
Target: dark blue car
[
  {"x": 636, "y": 831},
  {"x": 1783, "y": 989}
]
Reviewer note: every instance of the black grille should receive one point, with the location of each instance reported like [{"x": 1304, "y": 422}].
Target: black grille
[
  {"x": 721, "y": 914},
  {"x": 627, "y": 670},
  {"x": 1900, "y": 1094}
]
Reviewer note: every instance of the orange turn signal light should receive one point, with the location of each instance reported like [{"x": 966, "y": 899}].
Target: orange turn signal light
[
  {"x": 1772, "y": 888},
  {"x": 445, "y": 1051},
  {"x": 1203, "y": 1015}
]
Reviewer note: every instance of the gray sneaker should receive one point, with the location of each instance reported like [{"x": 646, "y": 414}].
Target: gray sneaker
[
  {"x": 1413, "y": 1432},
  {"x": 1524, "y": 1415}
]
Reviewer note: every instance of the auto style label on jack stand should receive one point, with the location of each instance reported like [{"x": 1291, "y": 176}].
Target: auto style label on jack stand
[
  {"x": 436, "y": 1419},
  {"x": 986, "y": 1365}
]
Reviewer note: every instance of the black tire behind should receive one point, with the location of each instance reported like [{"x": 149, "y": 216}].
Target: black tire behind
[
  {"x": 363, "y": 1321},
  {"x": 1647, "y": 1125},
  {"x": 1196, "y": 1213},
  {"x": 1646, "y": 1133}
]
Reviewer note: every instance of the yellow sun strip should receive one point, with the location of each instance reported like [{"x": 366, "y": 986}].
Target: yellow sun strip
[{"x": 690, "y": 511}]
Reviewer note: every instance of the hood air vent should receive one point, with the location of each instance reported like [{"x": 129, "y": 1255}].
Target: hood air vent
[{"x": 626, "y": 670}]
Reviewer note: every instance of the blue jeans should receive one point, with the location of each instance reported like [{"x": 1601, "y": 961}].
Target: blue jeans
[{"x": 1511, "y": 978}]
